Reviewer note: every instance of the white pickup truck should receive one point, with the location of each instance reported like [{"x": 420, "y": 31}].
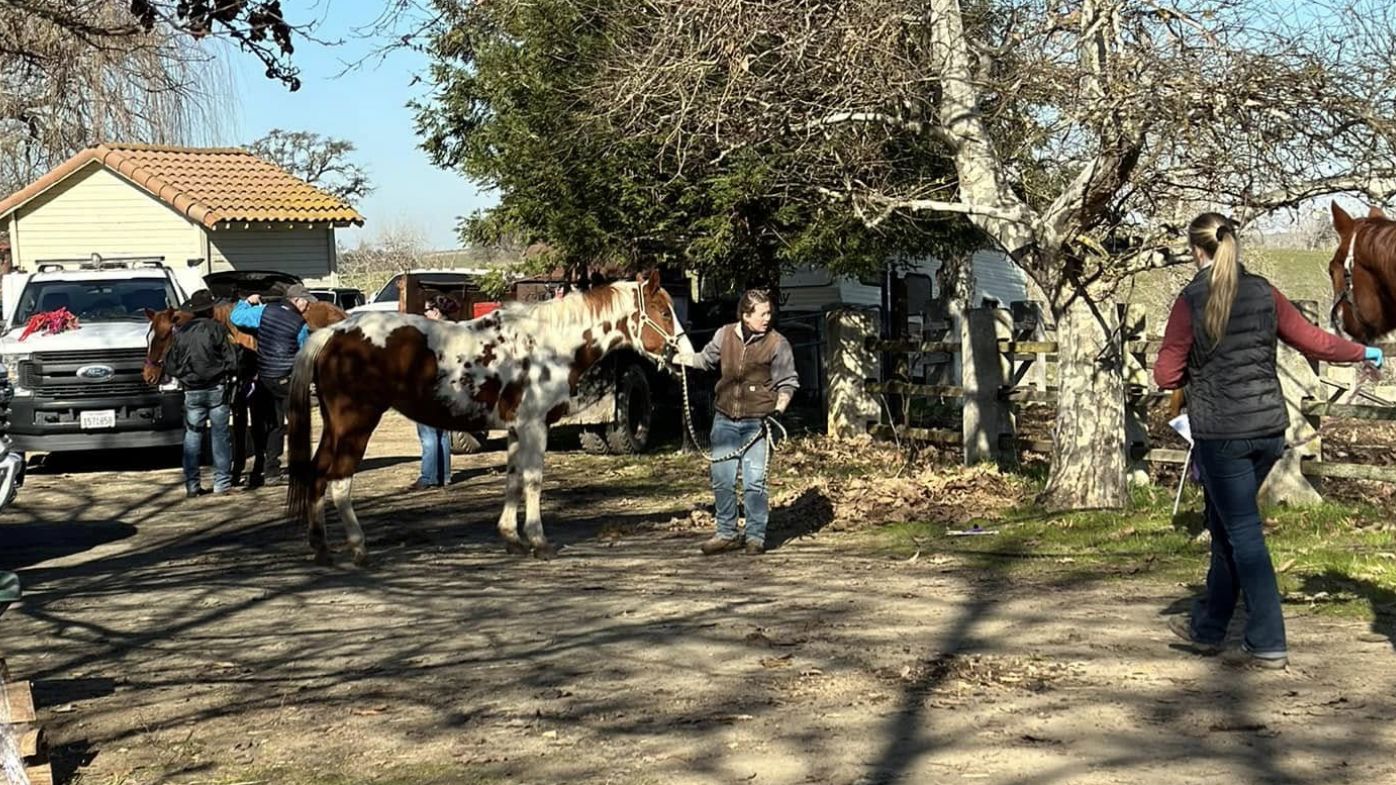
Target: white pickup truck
[{"x": 82, "y": 389}]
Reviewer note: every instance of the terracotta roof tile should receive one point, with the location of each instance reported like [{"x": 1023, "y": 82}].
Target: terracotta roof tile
[{"x": 211, "y": 186}]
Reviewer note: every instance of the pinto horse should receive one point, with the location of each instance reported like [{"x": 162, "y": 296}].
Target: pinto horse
[
  {"x": 517, "y": 369},
  {"x": 1363, "y": 270}
]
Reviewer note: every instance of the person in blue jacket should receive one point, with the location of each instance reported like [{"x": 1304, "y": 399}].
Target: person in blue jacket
[{"x": 281, "y": 331}]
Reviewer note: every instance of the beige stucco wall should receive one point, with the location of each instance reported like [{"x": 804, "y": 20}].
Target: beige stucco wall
[{"x": 95, "y": 211}]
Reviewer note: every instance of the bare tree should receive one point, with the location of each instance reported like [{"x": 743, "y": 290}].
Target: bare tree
[
  {"x": 255, "y": 26},
  {"x": 74, "y": 74},
  {"x": 397, "y": 248},
  {"x": 1082, "y": 136},
  {"x": 319, "y": 160}
]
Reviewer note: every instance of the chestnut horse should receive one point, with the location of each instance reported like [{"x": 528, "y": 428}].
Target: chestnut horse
[
  {"x": 162, "y": 326},
  {"x": 516, "y": 369},
  {"x": 163, "y": 323},
  {"x": 1363, "y": 270}
]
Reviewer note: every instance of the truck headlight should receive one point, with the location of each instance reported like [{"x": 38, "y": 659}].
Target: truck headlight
[{"x": 10, "y": 368}]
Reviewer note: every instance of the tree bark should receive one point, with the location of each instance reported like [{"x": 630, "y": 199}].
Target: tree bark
[{"x": 1088, "y": 442}]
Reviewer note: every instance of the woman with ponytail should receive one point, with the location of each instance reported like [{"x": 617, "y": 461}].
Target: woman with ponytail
[{"x": 1220, "y": 345}]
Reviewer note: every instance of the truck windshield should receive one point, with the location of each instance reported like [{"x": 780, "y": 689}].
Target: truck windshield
[
  {"x": 388, "y": 294},
  {"x": 96, "y": 301}
]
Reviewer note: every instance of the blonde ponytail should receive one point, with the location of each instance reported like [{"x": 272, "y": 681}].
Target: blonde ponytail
[
  {"x": 1216, "y": 236},
  {"x": 1222, "y": 293}
]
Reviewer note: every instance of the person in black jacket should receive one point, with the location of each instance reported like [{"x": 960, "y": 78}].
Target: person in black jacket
[
  {"x": 202, "y": 359},
  {"x": 281, "y": 331}
]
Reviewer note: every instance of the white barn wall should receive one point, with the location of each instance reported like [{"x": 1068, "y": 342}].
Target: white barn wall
[{"x": 813, "y": 289}]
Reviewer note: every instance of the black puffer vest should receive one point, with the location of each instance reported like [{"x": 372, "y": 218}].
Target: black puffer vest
[
  {"x": 1233, "y": 390},
  {"x": 276, "y": 340}
]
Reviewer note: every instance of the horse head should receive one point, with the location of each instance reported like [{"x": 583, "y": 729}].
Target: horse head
[
  {"x": 660, "y": 335},
  {"x": 162, "y": 327},
  {"x": 1363, "y": 284}
]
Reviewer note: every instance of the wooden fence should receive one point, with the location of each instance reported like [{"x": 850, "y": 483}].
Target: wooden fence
[{"x": 1006, "y": 361}]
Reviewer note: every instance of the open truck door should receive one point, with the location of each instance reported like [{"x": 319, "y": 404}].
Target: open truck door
[{"x": 13, "y": 286}]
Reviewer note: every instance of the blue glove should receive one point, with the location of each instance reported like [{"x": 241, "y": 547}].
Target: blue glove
[{"x": 1374, "y": 356}]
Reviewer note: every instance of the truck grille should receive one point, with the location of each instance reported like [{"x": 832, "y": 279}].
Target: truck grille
[{"x": 55, "y": 374}]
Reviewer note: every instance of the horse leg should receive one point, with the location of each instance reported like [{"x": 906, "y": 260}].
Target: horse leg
[
  {"x": 513, "y": 485},
  {"x": 351, "y": 430},
  {"x": 315, "y": 531},
  {"x": 533, "y": 443},
  {"x": 340, "y": 492}
]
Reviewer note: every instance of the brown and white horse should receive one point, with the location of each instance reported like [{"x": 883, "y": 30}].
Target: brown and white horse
[
  {"x": 515, "y": 369},
  {"x": 1363, "y": 270}
]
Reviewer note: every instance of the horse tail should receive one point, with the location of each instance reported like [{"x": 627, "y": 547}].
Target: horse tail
[{"x": 300, "y": 472}]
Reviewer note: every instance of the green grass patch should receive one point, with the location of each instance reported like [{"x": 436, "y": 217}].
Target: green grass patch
[{"x": 1334, "y": 557}]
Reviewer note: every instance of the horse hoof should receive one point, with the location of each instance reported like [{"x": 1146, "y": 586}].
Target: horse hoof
[
  {"x": 361, "y": 559},
  {"x": 516, "y": 548},
  {"x": 544, "y": 552},
  {"x": 323, "y": 559}
]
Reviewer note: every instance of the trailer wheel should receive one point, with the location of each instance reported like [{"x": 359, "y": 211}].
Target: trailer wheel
[{"x": 630, "y": 433}]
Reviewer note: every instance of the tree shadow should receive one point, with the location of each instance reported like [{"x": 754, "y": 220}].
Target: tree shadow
[
  {"x": 27, "y": 544},
  {"x": 1380, "y": 599},
  {"x": 804, "y": 517}
]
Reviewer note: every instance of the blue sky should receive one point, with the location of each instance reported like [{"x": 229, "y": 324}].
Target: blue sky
[{"x": 367, "y": 107}]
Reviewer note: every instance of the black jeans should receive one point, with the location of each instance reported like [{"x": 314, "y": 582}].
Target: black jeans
[
  {"x": 1232, "y": 472},
  {"x": 269, "y": 426}
]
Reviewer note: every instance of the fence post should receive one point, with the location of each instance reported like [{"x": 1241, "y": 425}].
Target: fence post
[
  {"x": 1134, "y": 321},
  {"x": 1029, "y": 325},
  {"x": 849, "y": 364},
  {"x": 984, "y": 370},
  {"x": 1299, "y": 380}
]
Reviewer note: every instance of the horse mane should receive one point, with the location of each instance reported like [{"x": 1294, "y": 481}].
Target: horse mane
[
  {"x": 578, "y": 309},
  {"x": 1378, "y": 235}
]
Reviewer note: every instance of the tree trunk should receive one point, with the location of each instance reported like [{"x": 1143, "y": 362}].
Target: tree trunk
[
  {"x": 955, "y": 282},
  {"x": 1088, "y": 443}
]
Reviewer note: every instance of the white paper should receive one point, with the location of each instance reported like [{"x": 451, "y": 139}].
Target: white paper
[{"x": 1182, "y": 426}]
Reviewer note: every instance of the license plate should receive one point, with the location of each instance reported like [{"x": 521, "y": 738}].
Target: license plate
[{"x": 104, "y": 418}]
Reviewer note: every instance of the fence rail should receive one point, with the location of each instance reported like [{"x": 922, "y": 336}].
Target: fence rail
[{"x": 1005, "y": 365}]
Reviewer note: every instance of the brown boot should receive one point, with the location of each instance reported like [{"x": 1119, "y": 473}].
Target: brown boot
[
  {"x": 755, "y": 547},
  {"x": 716, "y": 544}
]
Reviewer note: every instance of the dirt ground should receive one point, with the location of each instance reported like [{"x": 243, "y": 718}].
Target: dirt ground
[{"x": 194, "y": 642}]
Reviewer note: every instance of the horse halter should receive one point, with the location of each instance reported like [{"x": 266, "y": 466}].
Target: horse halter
[
  {"x": 1345, "y": 296},
  {"x": 671, "y": 341}
]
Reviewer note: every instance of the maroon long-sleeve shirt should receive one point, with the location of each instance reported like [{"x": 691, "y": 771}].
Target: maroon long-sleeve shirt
[{"x": 1293, "y": 329}]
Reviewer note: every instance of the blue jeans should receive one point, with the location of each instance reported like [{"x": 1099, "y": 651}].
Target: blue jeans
[
  {"x": 436, "y": 455},
  {"x": 1232, "y": 473},
  {"x": 727, "y": 436},
  {"x": 207, "y": 406}
]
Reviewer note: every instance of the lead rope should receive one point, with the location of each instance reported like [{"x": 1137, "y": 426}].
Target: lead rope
[{"x": 764, "y": 433}]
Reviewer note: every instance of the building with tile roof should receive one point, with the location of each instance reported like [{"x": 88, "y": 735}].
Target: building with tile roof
[{"x": 216, "y": 208}]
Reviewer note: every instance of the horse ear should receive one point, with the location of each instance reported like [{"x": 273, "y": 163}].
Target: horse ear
[
  {"x": 1375, "y": 212},
  {"x": 1341, "y": 220},
  {"x": 652, "y": 284},
  {"x": 149, "y": 314}
]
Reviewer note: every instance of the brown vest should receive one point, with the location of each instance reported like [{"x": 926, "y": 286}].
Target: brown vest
[{"x": 745, "y": 389}]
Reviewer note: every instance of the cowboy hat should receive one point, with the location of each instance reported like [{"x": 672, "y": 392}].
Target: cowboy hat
[{"x": 199, "y": 302}]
